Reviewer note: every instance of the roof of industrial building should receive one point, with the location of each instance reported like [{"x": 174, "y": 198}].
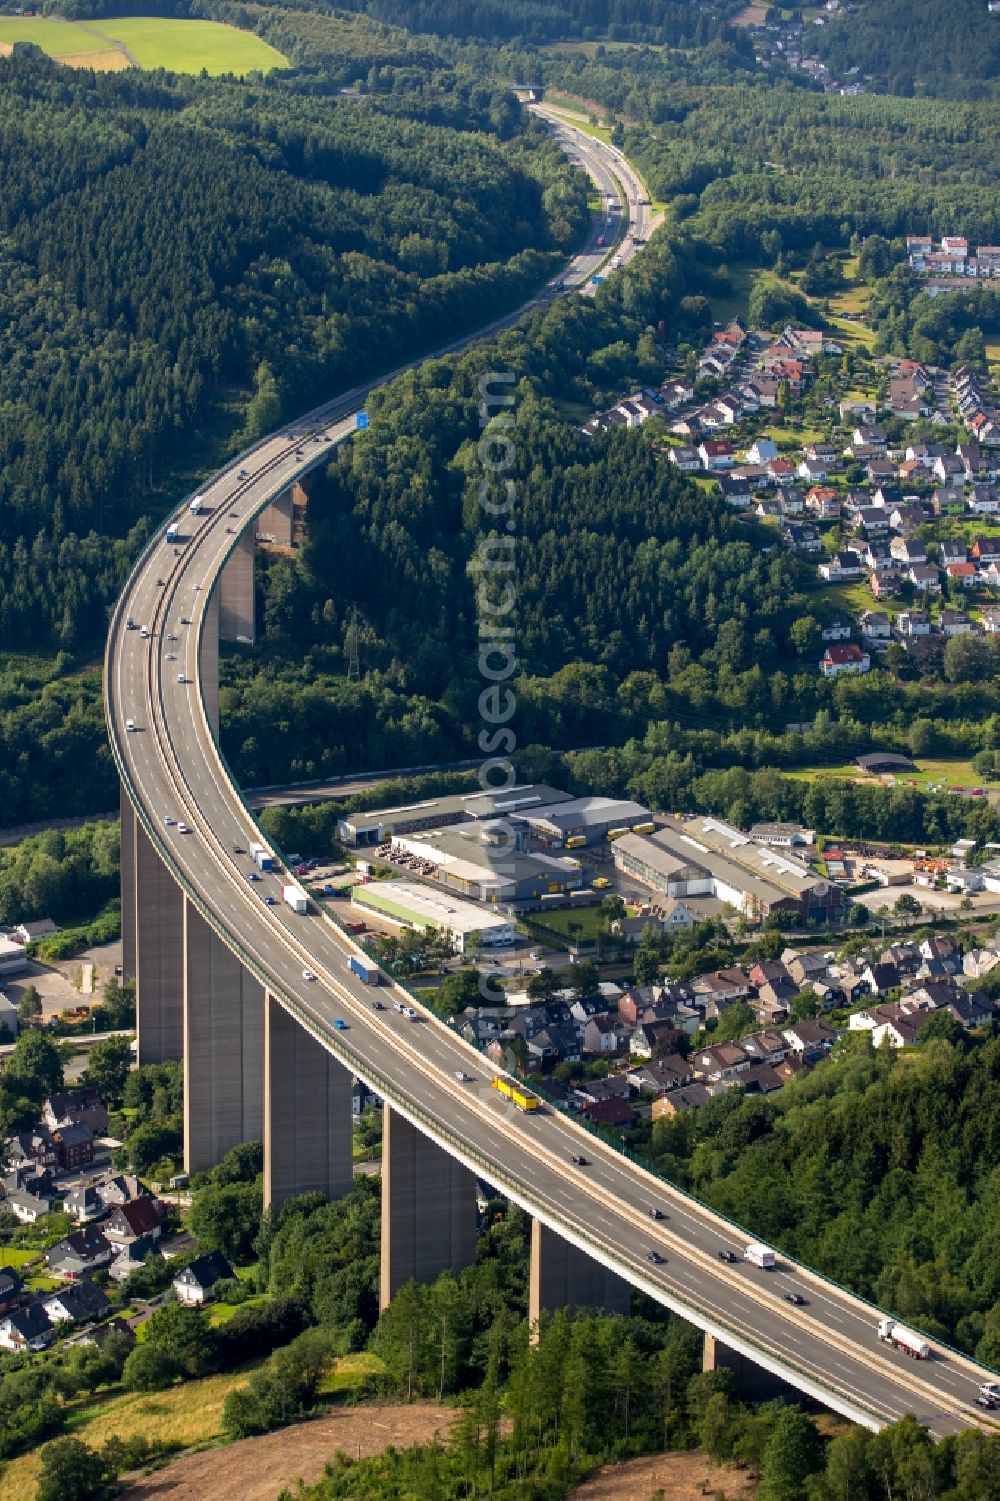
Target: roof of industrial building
[
  {"x": 586, "y": 812},
  {"x": 467, "y": 805},
  {"x": 725, "y": 853},
  {"x": 462, "y": 848},
  {"x": 426, "y": 906}
]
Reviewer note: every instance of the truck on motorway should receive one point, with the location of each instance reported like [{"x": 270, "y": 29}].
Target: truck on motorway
[
  {"x": 891, "y": 1333},
  {"x": 261, "y": 858},
  {"x": 523, "y": 1099},
  {"x": 759, "y": 1255},
  {"x": 295, "y": 898},
  {"x": 172, "y": 532},
  {"x": 195, "y": 505},
  {"x": 366, "y": 969}
]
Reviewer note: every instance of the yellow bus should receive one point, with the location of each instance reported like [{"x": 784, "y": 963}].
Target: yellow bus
[
  {"x": 614, "y": 834},
  {"x": 522, "y": 1098},
  {"x": 575, "y": 841},
  {"x": 643, "y": 828}
]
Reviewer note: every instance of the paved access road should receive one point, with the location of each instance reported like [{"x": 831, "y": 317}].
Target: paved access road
[{"x": 171, "y": 768}]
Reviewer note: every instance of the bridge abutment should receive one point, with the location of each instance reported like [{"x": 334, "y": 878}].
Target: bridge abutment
[
  {"x": 563, "y": 1276},
  {"x": 223, "y": 1047},
  {"x": 428, "y": 1208},
  {"x": 308, "y": 1125}
]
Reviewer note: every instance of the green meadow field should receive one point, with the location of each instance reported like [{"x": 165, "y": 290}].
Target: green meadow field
[{"x": 144, "y": 42}]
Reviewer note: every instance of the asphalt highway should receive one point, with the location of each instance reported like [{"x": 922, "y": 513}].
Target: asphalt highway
[{"x": 171, "y": 768}]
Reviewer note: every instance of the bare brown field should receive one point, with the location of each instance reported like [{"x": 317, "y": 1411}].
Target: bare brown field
[
  {"x": 111, "y": 61},
  {"x": 751, "y": 15},
  {"x": 677, "y": 1476},
  {"x": 256, "y": 1469},
  {"x": 6, "y": 48}
]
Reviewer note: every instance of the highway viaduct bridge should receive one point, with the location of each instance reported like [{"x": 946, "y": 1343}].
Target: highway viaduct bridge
[{"x": 271, "y": 1024}]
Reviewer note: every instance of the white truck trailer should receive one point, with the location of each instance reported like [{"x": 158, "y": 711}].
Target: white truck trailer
[
  {"x": 295, "y": 898},
  {"x": 891, "y": 1333},
  {"x": 759, "y": 1255}
]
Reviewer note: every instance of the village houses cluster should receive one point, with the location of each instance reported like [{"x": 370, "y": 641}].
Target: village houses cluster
[
  {"x": 658, "y": 1041},
  {"x": 119, "y": 1222}
]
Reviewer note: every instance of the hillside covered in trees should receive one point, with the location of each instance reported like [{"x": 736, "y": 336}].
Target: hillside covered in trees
[{"x": 172, "y": 246}]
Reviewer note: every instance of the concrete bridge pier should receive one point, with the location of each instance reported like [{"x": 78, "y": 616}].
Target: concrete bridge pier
[
  {"x": 563, "y": 1276},
  {"x": 308, "y": 1124},
  {"x": 428, "y": 1208},
  {"x": 276, "y": 519},
  {"x": 223, "y": 1047},
  {"x": 752, "y": 1382},
  {"x": 237, "y": 616},
  {"x": 152, "y": 942}
]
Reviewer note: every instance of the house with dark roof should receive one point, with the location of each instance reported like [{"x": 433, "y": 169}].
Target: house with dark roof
[
  {"x": 86, "y": 1250},
  {"x": 74, "y": 1147},
  {"x": 193, "y": 1285},
  {"x": 680, "y": 1101},
  {"x": 25, "y": 1329},
  {"x": 76, "y": 1107},
  {"x": 137, "y": 1218},
  {"x": 11, "y": 1289},
  {"x": 80, "y": 1303}
]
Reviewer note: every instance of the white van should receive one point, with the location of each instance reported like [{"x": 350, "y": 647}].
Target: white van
[
  {"x": 758, "y": 1255},
  {"x": 130, "y": 725}
]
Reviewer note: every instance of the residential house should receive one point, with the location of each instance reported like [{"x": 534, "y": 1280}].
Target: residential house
[
  {"x": 716, "y": 453},
  {"x": 80, "y": 1303},
  {"x": 762, "y": 451},
  {"x": 955, "y": 623},
  {"x": 838, "y": 627},
  {"x": 684, "y": 458},
  {"x": 950, "y": 470},
  {"x": 913, "y": 623},
  {"x": 32, "y": 1148},
  {"x": 617, "y": 1114},
  {"x": 907, "y": 551},
  {"x": 844, "y": 659},
  {"x": 86, "y": 1250},
  {"x": 823, "y": 502},
  {"x": 11, "y": 1289},
  {"x": 76, "y": 1107},
  {"x": 884, "y": 585},
  {"x": 27, "y": 1207},
  {"x": 962, "y": 574},
  {"x": 724, "y": 1061},
  {"x": 986, "y": 550},
  {"x": 765, "y": 1047},
  {"x": 83, "y": 1203},
  {"x": 74, "y": 1147},
  {"x": 842, "y": 565},
  {"x": 604, "y": 1035},
  {"x": 25, "y": 1329},
  {"x": 194, "y": 1284},
  {"x": 971, "y": 457},
  {"x": 31, "y": 932},
  {"x": 680, "y": 1101},
  {"x": 810, "y": 1036},
  {"x": 875, "y": 626},
  {"x": 138, "y": 1218},
  {"x": 925, "y": 577},
  {"x": 983, "y": 500}
]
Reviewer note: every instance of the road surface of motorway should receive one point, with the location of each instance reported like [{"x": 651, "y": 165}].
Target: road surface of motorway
[{"x": 172, "y": 771}]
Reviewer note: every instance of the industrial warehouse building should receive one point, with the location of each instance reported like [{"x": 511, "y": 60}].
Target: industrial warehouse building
[
  {"x": 706, "y": 857},
  {"x": 362, "y": 830},
  {"x": 490, "y": 862},
  {"x": 586, "y": 819},
  {"x": 411, "y": 905}
]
